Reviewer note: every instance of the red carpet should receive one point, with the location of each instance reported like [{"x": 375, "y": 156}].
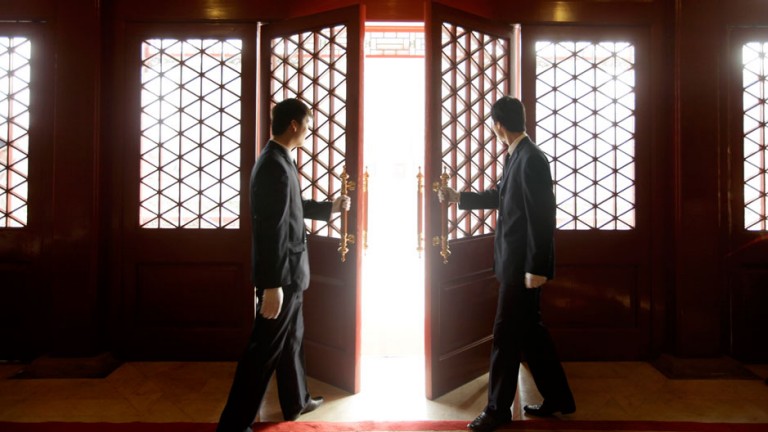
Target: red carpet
[{"x": 528, "y": 425}]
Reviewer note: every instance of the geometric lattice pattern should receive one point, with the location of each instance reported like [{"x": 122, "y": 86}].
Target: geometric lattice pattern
[
  {"x": 585, "y": 123},
  {"x": 312, "y": 66},
  {"x": 15, "y": 73},
  {"x": 190, "y": 133},
  {"x": 475, "y": 71},
  {"x": 383, "y": 41},
  {"x": 755, "y": 69}
]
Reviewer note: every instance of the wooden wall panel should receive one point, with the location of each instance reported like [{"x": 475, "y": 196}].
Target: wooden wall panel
[
  {"x": 183, "y": 310},
  {"x": 76, "y": 296},
  {"x": 592, "y": 297},
  {"x": 749, "y": 316},
  {"x": 699, "y": 40},
  {"x": 35, "y": 10},
  {"x": 24, "y": 298},
  {"x": 208, "y": 291}
]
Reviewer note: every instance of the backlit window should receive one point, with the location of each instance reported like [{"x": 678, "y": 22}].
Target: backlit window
[
  {"x": 15, "y": 73},
  {"x": 755, "y": 67},
  {"x": 190, "y": 133},
  {"x": 585, "y": 122}
]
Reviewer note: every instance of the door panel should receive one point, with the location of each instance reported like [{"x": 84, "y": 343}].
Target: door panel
[
  {"x": 184, "y": 245},
  {"x": 318, "y": 59},
  {"x": 468, "y": 68},
  {"x": 586, "y": 96},
  {"x": 746, "y": 260},
  {"x": 26, "y": 155}
]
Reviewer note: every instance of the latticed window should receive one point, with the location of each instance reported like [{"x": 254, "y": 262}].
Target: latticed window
[
  {"x": 190, "y": 133},
  {"x": 755, "y": 69},
  {"x": 312, "y": 66},
  {"x": 585, "y": 122},
  {"x": 400, "y": 44},
  {"x": 475, "y": 73},
  {"x": 15, "y": 73}
]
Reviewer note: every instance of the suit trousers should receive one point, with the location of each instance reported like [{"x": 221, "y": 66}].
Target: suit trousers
[
  {"x": 274, "y": 346},
  {"x": 517, "y": 332}
]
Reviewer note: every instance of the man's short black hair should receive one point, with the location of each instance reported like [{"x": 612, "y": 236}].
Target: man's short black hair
[
  {"x": 510, "y": 112},
  {"x": 285, "y": 112}
]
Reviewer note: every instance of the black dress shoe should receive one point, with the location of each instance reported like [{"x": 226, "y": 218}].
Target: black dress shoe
[
  {"x": 486, "y": 422},
  {"x": 313, "y": 404},
  {"x": 548, "y": 410}
]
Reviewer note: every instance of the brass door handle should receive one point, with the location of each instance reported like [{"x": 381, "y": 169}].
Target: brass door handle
[
  {"x": 445, "y": 250},
  {"x": 420, "y": 212},
  {"x": 346, "y": 238},
  {"x": 365, "y": 209}
]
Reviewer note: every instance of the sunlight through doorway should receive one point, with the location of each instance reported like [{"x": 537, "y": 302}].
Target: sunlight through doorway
[{"x": 393, "y": 272}]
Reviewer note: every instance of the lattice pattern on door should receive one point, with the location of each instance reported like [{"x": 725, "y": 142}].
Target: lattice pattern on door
[
  {"x": 15, "y": 73},
  {"x": 755, "y": 69},
  {"x": 475, "y": 73},
  {"x": 585, "y": 122},
  {"x": 190, "y": 133},
  {"x": 312, "y": 66}
]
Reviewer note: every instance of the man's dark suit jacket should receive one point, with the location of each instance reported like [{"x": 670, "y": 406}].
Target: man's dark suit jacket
[
  {"x": 279, "y": 251},
  {"x": 525, "y": 223}
]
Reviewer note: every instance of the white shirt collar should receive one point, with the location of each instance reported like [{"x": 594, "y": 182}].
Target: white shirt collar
[{"x": 513, "y": 145}]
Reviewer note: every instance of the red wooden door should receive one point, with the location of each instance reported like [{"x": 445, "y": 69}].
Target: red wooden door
[
  {"x": 587, "y": 97},
  {"x": 183, "y": 247},
  {"x": 26, "y": 155},
  {"x": 318, "y": 59},
  {"x": 746, "y": 260},
  {"x": 468, "y": 67}
]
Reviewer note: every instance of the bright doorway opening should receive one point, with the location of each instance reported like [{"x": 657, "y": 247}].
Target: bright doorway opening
[{"x": 393, "y": 271}]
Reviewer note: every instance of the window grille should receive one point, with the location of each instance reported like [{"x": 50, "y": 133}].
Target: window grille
[
  {"x": 755, "y": 92},
  {"x": 190, "y": 133},
  {"x": 15, "y": 77},
  {"x": 585, "y": 123},
  {"x": 475, "y": 73},
  {"x": 312, "y": 66}
]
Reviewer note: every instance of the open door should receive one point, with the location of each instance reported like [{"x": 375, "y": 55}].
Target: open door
[
  {"x": 468, "y": 67},
  {"x": 586, "y": 92},
  {"x": 318, "y": 59}
]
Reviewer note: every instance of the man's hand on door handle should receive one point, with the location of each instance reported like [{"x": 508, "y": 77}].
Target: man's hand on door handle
[
  {"x": 449, "y": 193},
  {"x": 342, "y": 202}
]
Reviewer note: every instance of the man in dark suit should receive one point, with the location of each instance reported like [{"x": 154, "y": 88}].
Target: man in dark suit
[
  {"x": 280, "y": 275},
  {"x": 524, "y": 260}
]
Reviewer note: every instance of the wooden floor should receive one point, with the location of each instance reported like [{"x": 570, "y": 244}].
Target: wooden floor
[{"x": 393, "y": 389}]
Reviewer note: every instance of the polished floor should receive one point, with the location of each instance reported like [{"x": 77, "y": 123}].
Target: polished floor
[{"x": 393, "y": 389}]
